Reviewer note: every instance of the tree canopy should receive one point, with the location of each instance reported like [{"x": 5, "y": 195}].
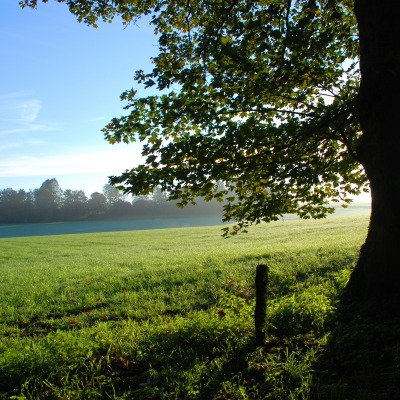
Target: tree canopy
[{"x": 257, "y": 95}]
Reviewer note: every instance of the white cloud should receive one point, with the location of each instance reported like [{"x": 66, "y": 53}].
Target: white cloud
[
  {"x": 19, "y": 113},
  {"x": 29, "y": 110},
  {"x": 20, "y": 143},
  {"x": 107, "y": 162},
  {"x": 30, "y": 127}
]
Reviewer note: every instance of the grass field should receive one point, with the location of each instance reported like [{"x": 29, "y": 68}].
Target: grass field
[{"x": 168, "y": 314}]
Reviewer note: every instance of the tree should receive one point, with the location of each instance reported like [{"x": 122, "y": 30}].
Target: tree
[
  {"x": 121, "y": 208},
  {"x": 74, "y": 204},
  {"x": 158, "y": 196},
  {"x": 112, "y": 194},
  {"x": 266, "y": 97},
  {"x": 48, "y": 200},
  {"x": 377, "y": 273},
  {"x": 97, "y": 203},
  {"x": 15, "y": 206}
]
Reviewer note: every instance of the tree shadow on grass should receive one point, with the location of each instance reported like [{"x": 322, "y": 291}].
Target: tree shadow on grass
[
  {"x": 215, "y": 357},
  {"x": 353, "y": 354},
  {"x": 362, "y": 357}
]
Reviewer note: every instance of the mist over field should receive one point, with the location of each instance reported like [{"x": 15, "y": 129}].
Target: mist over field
[{"x": 113, "y": 225}]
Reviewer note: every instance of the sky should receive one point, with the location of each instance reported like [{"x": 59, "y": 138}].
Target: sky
[{"x": 60, "y": 84}]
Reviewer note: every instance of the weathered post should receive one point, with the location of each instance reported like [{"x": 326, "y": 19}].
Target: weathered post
[{"x": 260, "y": 313}]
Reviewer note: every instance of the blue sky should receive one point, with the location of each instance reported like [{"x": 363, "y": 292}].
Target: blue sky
[{"x": 60, "y": 83}]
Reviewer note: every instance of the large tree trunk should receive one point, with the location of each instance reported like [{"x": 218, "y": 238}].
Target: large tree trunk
[{"x": 377, "y": 273}]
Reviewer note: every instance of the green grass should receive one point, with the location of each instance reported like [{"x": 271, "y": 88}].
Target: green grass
[{"x": 168, "y": 314}]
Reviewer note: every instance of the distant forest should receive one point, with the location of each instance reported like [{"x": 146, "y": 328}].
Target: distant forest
[{"x": 50, "y": 203}]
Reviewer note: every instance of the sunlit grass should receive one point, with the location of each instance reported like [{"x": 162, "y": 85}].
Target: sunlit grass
[
  {"x": 168, "y": 313},
  {"x": 72, "y": 274}
]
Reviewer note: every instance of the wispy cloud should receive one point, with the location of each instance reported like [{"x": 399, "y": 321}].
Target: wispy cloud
[
  {"x": 20, "y": 143},
  {"x": 19, "y": 113},
  {"x": 29, "y": 127},
  {"x": 107, "y": 162},
  {"x": 29, "y": 110}
]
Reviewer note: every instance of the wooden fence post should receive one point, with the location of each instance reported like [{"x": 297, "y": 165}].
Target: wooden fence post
[{"x": 260, "y": 313}]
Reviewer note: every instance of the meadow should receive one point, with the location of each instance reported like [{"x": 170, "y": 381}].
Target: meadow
[{"x": 168, "y": 314}]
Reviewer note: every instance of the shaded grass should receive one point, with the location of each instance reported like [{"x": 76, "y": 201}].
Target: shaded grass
[{"x": 167, "y": 314}]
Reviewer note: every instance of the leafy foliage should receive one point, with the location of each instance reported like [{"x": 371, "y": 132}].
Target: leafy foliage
[{"x": 257, "y": 95}]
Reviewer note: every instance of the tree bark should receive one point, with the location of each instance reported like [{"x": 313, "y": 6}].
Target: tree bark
[{"x": 376, "y": 276}]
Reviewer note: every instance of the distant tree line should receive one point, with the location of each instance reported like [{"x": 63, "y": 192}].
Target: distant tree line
[{"x": 50, "y": 203}]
